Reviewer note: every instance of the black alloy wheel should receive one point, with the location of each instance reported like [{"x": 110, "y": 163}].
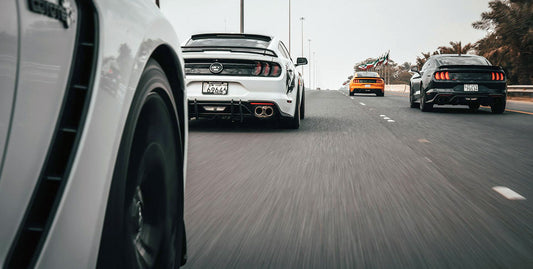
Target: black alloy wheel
[
  {"x": 424, "y": 106},
  {"x": 498, "y": 107},
  {"x": 412, "y": 98},
  {"x": 144, "y": 226},
  {"x": 474, "y": 106},
  {"x": 302, "y": 106},
  {"x": 293, "y": 122}
]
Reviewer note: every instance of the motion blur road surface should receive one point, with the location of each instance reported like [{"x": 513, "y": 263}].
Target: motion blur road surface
[{"x": 366, "y": 182}]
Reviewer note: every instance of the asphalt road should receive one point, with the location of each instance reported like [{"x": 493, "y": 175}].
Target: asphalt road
[{"x": 366, "y": 182}]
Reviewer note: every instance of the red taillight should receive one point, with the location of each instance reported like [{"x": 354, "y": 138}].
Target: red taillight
[
  {"x": 442, "y": 76},
  {"x": 266, "y": 69},
  {"x": 257, "y": 70},
  {"x": 275, "y": 71},
  {"x": 261, "y": 104},
  {"x": 497, "y": 76}
]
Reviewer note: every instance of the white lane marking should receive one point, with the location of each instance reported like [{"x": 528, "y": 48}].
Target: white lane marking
[
  {"x": 508, "y": 193},
  {"x": 363, "y": 104},
  {"x": 428, "y": 159},
  {"x": 422, "y": 140},
  {"x": 386, "y": 118},
  {"x": 352, "y": 98},
  {"x": 390, "y": 120},
  {"x": 382, "y": 116}
]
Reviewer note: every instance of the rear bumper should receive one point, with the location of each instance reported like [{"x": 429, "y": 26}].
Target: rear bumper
[
  {"x": 244, "y": 90},
  {"x": 361, "y": 88},
  {"x": 453, "y": 97},
  {"x": 234, "y": 109}
]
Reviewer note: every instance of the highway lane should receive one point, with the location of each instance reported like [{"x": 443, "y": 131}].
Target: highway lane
[{"x": 366, "y": 182}]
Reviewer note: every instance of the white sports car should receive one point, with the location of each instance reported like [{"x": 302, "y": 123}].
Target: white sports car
[
  {"x": 93, "y": 135},
  {"x": 243, "y": 75}
]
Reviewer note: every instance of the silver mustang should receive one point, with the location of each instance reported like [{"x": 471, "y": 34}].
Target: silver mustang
[{"x": 93, "y": 135}]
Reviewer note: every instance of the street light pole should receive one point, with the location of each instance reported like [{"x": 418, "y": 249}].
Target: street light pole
[
  {"x": 289, "y": 27},
  {"x": 242, "y": 16},
  {"x": 302, "y": 20},
  {"x": 310, "y": 61},
  {"x": 315, "y": 70}
]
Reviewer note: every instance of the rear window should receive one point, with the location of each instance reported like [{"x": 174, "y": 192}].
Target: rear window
[
  {"x": 228, "y": 42},
  {"x": 367, "y": 74},
  {"x": 463, "y": 60}
]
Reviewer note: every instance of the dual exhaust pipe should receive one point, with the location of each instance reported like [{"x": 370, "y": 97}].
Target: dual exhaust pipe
[{"x": 263, "y": 112}]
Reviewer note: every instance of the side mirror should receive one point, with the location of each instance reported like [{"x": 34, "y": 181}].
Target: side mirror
[
  {"x": 414, "y": 69},
  {"x": 301, "y": 61}
]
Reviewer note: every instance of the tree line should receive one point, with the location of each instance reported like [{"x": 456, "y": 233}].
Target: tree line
[{"x": 508, "y": 43}]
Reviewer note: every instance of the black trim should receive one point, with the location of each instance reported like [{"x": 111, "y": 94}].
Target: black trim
[
  {"x": 234, "y": 35},
  {"x": 260, "y": 51},
  {"x": 235, "y": 109},
  {"x": 49, "y": 189}
]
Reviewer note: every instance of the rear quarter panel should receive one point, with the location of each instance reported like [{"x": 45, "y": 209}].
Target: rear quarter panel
[{"x": 129, "y": 31}]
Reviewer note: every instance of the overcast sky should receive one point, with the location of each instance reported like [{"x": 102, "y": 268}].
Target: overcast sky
[{"x": 343, "y": 32}]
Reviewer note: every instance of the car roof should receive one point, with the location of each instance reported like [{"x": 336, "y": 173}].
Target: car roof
[{"x": 455, "y": 55}]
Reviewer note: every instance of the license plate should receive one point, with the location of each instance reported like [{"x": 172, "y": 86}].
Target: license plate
[
  {"x": 471, "y": 88},
  {"x": 367, "y": 86},
  {"x": 215, "y": 88}
]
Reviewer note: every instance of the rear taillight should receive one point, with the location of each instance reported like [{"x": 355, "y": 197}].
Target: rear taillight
[
  {"x": 257, "y": 69},
  {"x": 276, "y": 70},
  {"x": 266, "y": 69},
  {"x": 497, "y": 76},
  {"x": 442, "y": 76}
]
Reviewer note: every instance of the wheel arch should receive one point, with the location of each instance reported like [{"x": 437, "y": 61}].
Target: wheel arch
[{"x": 169, "y": 61}]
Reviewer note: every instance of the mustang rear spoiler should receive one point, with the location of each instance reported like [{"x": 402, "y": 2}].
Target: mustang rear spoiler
[
  {"x": 478, "y": 67},
  {"x": 253, "y": 50}
]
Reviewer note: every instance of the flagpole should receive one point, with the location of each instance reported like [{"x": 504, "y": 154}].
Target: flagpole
[
  {"x": 242, "y": 16},
  {"x": 289, "y": 27}
]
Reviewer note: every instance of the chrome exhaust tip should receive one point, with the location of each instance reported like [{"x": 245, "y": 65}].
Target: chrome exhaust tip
[{"x": 263, "y": 112}]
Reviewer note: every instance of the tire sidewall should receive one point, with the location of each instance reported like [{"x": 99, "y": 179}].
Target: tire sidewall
[{"x": 110, "y": 252}]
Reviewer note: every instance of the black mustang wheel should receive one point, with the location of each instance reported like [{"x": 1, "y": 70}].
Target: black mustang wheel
[
  {"x": 498, "y": 107},
  {"x": 424, "y": 107},
  {"x": 144, "y": 217},
  {"x": 412, "y": 98}
]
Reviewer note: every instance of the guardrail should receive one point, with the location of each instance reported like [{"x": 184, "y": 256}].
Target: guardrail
[{"x": 520, "y": 91}]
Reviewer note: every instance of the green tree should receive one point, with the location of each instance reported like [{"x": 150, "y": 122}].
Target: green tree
[
  {"x": 509, "y": 41},
  {"x": 457, "y": 48},
  {"x": 420, "y": 61}
]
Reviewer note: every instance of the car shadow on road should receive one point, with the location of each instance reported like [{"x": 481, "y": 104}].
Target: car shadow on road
[
  {"x": 248, "y": 126},
  {"x": 365, "y": 95},
  {"x": 461, "y": 110},
  {"x": 309, "y": 124}
]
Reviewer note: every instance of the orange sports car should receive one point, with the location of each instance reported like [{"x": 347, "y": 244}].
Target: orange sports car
[{"x": 367, "y": 82}]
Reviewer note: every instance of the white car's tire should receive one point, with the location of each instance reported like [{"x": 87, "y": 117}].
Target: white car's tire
[{"x": 293, "y": 122}]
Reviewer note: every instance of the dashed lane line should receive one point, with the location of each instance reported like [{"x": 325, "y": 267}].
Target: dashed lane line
[
  {"x": 363, "y": 104},
  {"x": 508, "y": 193}
]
